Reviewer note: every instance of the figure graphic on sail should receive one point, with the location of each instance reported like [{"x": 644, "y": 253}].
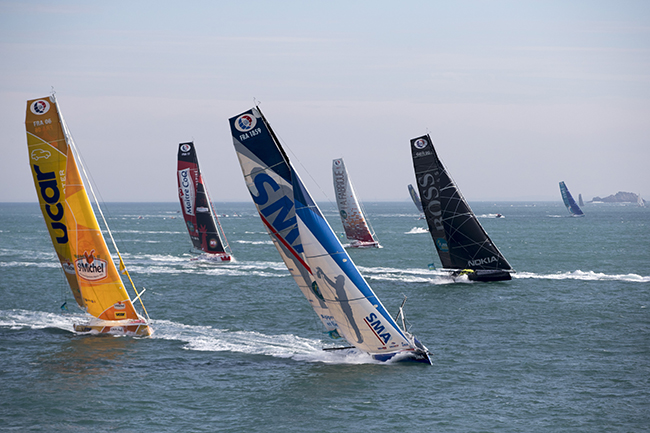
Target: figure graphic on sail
[{"x": 341, "y": 296}]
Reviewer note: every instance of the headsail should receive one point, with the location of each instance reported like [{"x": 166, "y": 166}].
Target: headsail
[
  {"x": 73, "y": 227},
  {"x": 569, "y": 202},
  {"x": 416, "y": 198},
  {"x": 310, "y": 249},
  {"x": 355, "y": 223},
  {"x": 200, "y": 219},
  {"x": 459, "y": 238}
]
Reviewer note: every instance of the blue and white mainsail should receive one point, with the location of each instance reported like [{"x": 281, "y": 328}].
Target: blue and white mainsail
[
  {"x": 326, "y": 275},
  {"x": 569, "y": 202}
]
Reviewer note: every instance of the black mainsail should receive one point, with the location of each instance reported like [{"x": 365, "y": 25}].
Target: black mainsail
[{"x": 461, "y": 242}]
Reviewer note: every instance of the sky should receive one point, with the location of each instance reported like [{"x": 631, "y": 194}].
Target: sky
[{"x": 516, "y": 96}]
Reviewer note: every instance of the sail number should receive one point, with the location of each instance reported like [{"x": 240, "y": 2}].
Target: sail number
[{"x": 249, "y": 134}]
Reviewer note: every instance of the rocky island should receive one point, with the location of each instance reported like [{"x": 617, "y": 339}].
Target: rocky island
[{"x": 619, "y": 197}]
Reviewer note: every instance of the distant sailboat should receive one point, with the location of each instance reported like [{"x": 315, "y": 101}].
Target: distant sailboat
[
  {"x": 201, "y": 221},
  {"x": 569, "y": 202},
  {"x": 462, "y": 244},
  {"x": 640, "y": 201},
  {"x": 416, "y": 200},
  {"x": 580, "y": 202},
  {"x": 80, "y": 247},
  {"x": 319, "y": 264},
  {"x": 356, "y": 225}
]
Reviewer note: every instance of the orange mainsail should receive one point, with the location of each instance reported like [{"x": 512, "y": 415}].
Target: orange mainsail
[{"x": 71, "y": 222}]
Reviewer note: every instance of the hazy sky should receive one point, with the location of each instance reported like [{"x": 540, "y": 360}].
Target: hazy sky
[{"x": 517, "y": 95}]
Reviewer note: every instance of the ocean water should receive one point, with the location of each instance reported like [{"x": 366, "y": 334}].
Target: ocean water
[{"x": 563, "y": 347}]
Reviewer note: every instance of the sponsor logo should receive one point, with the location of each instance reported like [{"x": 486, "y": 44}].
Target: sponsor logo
[
  {"x": 272, "y": 200},
  {"x": 186, "y": 191},
  {"x": 431, "y": 198},
  {"x": 68, "y": 267},
  {"x": 213, "y": 243},
  {"x": 202, "y": 209},
  {"x": 337, "y": 163},
  {"x": 48, "y": 189},
  {"x": 185, "y": 147},
  {"x": 442, "y": 244},
  {"x": 344, "y": 215},
  {"x": 40, "y": 107},
  {"x": 375, "y": 325},
  {"x": 190, "y": 226},
  {"x": 120, "y": 315},
  {"x": 245, "y": 122},
  {"x": 119, "y": 305},
  {"x": 420, "y": 143},
  {"x": 91, "y": 268},
  {"x": 483, "y": 261},
  {"x": 40, "y": 153}
]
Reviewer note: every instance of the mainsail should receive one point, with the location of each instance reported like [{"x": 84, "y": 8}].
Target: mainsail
[
  {"x": 355, "y": 223},
  {"x": 460, "y": 240},
  {"x": 73, "y": 227},
  {"x": 319, "y": 264},
  {"x": 416, "y": 198},
  {"x": 201, "y": 221},
  {"x": 569, "y": 202}
]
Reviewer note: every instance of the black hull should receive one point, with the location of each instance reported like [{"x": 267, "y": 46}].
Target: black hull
[{"x": 484, "y": 275}]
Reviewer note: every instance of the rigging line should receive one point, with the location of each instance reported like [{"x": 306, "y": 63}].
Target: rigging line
[{"x": 75, "y": 151}]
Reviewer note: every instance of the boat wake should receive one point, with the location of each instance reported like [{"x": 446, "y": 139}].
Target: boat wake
[
  {"x": 201, "y": 338},
  {"x": 416, "y": 231},
  {"x": 288, "y": 346},
  {"x": 584, "y": 276},
  {"x": 417, "y": 275}
]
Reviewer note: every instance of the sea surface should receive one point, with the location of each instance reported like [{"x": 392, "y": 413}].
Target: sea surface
[{"x": 563, "y": 347}]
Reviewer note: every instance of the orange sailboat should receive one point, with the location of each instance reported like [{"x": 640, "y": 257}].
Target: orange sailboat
[{"x": 78, "y": 241}]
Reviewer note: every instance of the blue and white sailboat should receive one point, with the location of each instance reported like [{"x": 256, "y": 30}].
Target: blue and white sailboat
[
  {"x": 569, "y": 202},
  {"x": 319, "y": 264}
]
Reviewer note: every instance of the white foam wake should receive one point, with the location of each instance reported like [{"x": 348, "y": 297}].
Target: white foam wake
[{"x": 585, "y": 276}]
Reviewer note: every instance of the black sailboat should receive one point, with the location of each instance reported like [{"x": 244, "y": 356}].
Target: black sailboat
[{"x": 462, "y": 244}]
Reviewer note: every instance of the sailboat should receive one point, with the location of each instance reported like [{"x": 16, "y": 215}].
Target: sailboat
[
  {"x": 462, "y": 244},
  {"x": 569, "y": 202},
  {"x": 319, "y": 264},
  {"x": 580, "y": 202},
  {"x": 73, "y": 227},
  {"x": 416, "y": 200},
  {"x": 204, "y": 227},
  {"x": 355, "y": 223},
  {"x": 639, "y": 201}
]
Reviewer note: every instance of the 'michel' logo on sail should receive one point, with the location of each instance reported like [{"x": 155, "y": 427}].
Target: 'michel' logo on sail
[{"x": 91, "y": 268}]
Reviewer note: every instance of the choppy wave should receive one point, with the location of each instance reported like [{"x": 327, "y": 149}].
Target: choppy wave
[
  {"x": 240, "y": 241},
  {"x": 585, "y": 276}
]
